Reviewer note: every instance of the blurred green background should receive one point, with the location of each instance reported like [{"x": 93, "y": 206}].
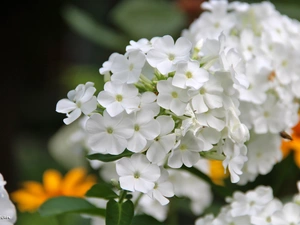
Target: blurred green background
[{"x": 51, "y": 46}]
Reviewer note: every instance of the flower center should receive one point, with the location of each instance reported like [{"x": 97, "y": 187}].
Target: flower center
[
  {"x": 109, "y": 130},
  {"x": 250, "y": 48},
  {"x": 183, "y": 147},
  {"x": 202, "y": 91},
  {"x": 174, "y": 94},
  {"x": 155, "y": 185},
  {"x": 136, "y": 175},
  {"x": 284, "y": 63},
  {"x": 136, "y": 127},
  {"x": 217, "y": 25},
  {"x": 119, "y": 98},
  {"x": 189, "y": 75},
  {"x": 171, "y": 57},
  {"x": 266, "y": 114},
  {"x": 268, "y": 219}
]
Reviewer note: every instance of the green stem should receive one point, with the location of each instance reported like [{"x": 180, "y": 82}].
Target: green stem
[{"x": 122, "y": 196}]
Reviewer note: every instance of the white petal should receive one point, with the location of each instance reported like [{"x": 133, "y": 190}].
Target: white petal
[
  {"x": 89, "y": 106},
  {"x": 65, "y": 106},
  {"x": 72, "y": 116}
]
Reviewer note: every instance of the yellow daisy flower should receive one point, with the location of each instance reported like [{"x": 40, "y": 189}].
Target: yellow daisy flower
[
  {"x": 293, "y": 145},
  {"x": 33, "y": 194}
]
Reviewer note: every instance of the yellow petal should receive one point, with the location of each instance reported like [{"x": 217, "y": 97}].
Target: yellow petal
[
  {"x": 27, "y": 201},
  {"x": 71, "y": 180},
  {"x": 52, "y": 182},
  {"x": 34, "y": 188},
  {"x": 217, "y": 172}
]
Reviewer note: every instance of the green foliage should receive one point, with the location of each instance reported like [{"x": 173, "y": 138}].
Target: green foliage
[
  {"x": 119, "y": 213},
  {"x": 85, "y": 25},
  {"x": 61, "y": 205},
  {"x": 108, "y": 157},
  {"x": 101, "y": 190},
  {"x": 80, "y": 74},
  {"x": 145, "y": 19}
]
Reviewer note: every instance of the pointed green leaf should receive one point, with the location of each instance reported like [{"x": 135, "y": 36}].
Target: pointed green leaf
[
  {"x": 145, "y": 219},
  {"x": 108, "y": 157},
  {"x": 61, "y": 205},
  {"x": 119, "y": 213},
  {"x": 84, "y": 24},
  {"x": 101, "y": 191}
]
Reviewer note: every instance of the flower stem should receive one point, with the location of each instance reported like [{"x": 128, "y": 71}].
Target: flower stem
[{"x": 122, "y": 196}]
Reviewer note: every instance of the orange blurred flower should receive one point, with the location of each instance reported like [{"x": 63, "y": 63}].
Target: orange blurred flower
[
  {"x": 33, "y": 194},
  {"x": 294, "y": 145},
  {"x": 216, "y": 172}
]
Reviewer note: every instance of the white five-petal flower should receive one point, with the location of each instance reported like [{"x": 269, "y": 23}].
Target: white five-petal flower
[{"x": 80, "y": 100}]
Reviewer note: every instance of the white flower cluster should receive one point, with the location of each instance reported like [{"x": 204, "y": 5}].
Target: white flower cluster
[
  {"x": 255, "y": 207},
  {"x": 167, "y": 107},
  {"x": 270, "y": 46},
  {"x": 8, "y": 214}
]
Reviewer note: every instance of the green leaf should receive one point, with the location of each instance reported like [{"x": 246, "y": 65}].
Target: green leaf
[
  {"x": 145, "y": 19},
  {"x": 85, "y": 25},
  {"x": 35, "y": 219},
  {"x": 61, "y": 205},
  {"x": 145, "y": 219},
  {"x": 101, "y": 191},
  {"x": 119, "y": 213},
  {"x": 108, "y": 157}
]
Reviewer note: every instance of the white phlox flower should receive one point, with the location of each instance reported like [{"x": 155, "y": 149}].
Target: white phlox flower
[
  {"x": 145, "y": 127},
  {"x": 250, "y": 203},
  {"x": 108, "y": 134},
  {"x": 266, "y": 117},
  {"x": 209, "y": 96},
  {"x": 106, "y": 67},
  {"x": 143, "y": 45},
  {"x": 263, "y": 153},
  {"x": 189, "y": 74},
  {"x": 171, "y": 97},
  {"x": 137, "y": 173},
  {"x": 290, "y": 214},
  {"x": 264, "y": 216},
  {"x": 127, "y": 68},
  {"x": 164, "y": 142},
  {"x": 235, "y": 159},
  {"x": 81, "y": 100},
  {"x": 118, "y": 97},
  {"x": 7, "y": 209},
  {"x": 165, "y": 53},
  {"x": 258, "y": 72},
  {"x": 163, "y": 188},
  {"x": 186, "y": 151}
]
